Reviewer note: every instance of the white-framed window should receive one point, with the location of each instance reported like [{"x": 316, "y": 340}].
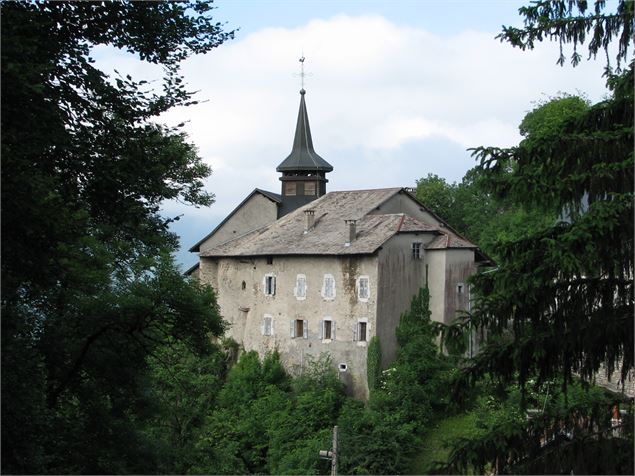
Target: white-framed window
[
  {"x": 269, "y": 284},
  {"x": 328, "y": 287},
  {"x": 416, "y": 250},
  {"x": 361, "y": 330},
  {"x": 300, "y": 287},
  {"x": 327, "y": 329},
  {"x": 267, "y": 325},
  {"x": 299, "y": 328},
  {"x": 363, "y": 288}
]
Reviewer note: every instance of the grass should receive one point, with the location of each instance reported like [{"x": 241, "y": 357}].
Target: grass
[{"x": 432, "y": 448}]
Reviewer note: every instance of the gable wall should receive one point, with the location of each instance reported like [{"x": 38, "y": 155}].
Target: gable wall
[
  {"x": 257, "y": 212},
  {"x": 402, "y": 203}
]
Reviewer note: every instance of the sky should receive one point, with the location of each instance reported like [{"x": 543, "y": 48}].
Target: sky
[{"x": 396, "y": 90}]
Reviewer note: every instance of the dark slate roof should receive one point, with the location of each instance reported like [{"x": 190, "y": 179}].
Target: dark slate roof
[
  {"x": 329, "y": 234},
  {"x": 192, "y": 268},
  {"x": 303, "y": 157},
  {"x": 274, "y": 197}
]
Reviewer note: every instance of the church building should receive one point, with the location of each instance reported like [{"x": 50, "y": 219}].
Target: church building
[{"x": 308, "y": 271}]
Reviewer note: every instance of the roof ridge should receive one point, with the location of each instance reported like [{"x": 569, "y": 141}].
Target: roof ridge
[{"x": 366, "y": 190}]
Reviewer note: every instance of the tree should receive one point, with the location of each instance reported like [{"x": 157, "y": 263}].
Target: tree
[
  {"x": 559, "y": 304},
  {"x": 471, "y": 209},
  {"x": 441, "y": 198},
  {"x": 88, "y": 288},
  {"x": 382, "y": 438},
  {"x": 183, "y": 386},
  {"x": 572, "y": 281}
]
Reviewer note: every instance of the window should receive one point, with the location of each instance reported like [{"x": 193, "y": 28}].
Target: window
[
  {"x": 361, "y": 336},
  {"x": 328, "y": 288},
  {"x": 300, "y": 287},
  {"x": 416, "y": 250},
  {"x": 299, "y": 328},
  {"x": 360, "y": 330},
  {"x": 269, "y": 259},
  {"x": 309, "y": 188},
  {"x": 243, "y": 285},
  {"x": 270, "y": 285},
  {"x": 289, "y": 188},
  {"x": 327, "y": 329},
  {"x": 267, "y": 325},
  {"x": 460, "y": 288},
  {"x": 363, "y": 288}
]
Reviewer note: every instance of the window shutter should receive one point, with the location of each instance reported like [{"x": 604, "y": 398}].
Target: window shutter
[
  {"x": 305, "y": 328},
  {"x": 321, "y": 326},
  {"x": 292, "y": 328},
  {"x": 354, "y": 332},
  {"x": 332, "y": 330},
  {"x": 273, "y": 285}
]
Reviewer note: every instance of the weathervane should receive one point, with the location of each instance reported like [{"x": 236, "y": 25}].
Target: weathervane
[{"x": 302, "y": 73}]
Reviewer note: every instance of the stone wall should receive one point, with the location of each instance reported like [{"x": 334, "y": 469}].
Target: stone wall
[
  {"x": 613, "y": 383},
  {"x": 257, "y": 212},
  {"x": 240, "y": 285}
]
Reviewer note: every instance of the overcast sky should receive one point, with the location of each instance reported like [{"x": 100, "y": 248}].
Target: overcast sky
[{"x": 396, "y": 90}]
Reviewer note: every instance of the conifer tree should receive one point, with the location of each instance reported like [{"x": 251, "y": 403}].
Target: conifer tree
[{"x": 559, "y": 304}]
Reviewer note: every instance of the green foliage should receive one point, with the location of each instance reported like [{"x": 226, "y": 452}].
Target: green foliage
[
  {"x": 568, "y": 21},
  {"x": 440, "y": 197},
  {"x": 373, "y": 363},
  {"x": 434, "y": 451},
  {"x": 266, "y": 422},
  {"x": 567, "y": 432},
  {"x": 572, "y": 281},
  {"x": 382, "y": 438},
  {"x": 184, "y": 386},
  {"x": 560, "y": 302},
  {"x": 88, "y": 288},
  {"x": 472, "y": 210}
]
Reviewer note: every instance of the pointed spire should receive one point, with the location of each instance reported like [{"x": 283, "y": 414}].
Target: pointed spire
[{"x": 303, "y": 157}]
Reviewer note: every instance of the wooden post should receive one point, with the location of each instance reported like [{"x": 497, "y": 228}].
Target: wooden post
[{"x": 335, "y": 453}]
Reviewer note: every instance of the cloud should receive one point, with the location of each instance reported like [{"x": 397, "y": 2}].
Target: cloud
[{"x": 378, "y": 91}]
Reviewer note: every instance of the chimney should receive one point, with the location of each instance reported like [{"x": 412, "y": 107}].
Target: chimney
[
  {"x": 309, "y": 221},
  {"x": 351, "y": 226}
]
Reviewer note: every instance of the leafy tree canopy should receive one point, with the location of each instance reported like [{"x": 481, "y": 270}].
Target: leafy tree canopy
[{"x": 88, "y": 287}]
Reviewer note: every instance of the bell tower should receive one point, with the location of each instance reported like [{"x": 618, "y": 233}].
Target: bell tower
[{"x": 303, "y": 171}]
